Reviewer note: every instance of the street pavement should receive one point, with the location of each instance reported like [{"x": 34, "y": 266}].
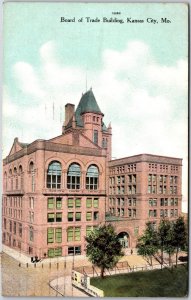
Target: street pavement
[{"x": 20, "y": 277}]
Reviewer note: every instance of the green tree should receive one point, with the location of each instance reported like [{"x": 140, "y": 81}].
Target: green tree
[
  {"x": 148, "y": 243},
  {"x": 168, "y": 245},
  {"x": 103, "y": 247},
  {"x": 164, "y": 237},
  {"x": 179, "y": 236}
]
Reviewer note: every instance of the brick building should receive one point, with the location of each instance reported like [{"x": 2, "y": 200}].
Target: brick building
[{"x": 56, "y": 191}]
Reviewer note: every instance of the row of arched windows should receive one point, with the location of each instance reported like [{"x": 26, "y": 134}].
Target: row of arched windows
[
  {"x": 14, "y": 178},
  {"x": 54, "y": 174}
]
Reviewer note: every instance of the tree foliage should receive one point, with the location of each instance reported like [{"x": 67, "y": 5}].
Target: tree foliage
[
  {"x": 180, "y": 236},
  {"x": 171, "y": 237},
  {"x": 148, "y": 243},
  {"x": 164, "y": 237},
  {"x": 103, "y": 247}
]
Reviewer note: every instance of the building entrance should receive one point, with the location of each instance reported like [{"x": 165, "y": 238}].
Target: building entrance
[{"x": 124, "y": 239}]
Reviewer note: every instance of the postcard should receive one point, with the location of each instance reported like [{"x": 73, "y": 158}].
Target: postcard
[{"x": 95, "y": 149}]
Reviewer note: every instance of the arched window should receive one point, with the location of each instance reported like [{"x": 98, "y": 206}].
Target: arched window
[
  {"x": 16, "y": 178},
  {"x": 32, "y": 172},
  {"x": 92, "y": 177},
  {"x": 11, "y": 179},
  {"x": 73, "y": 177},
  {"x": 54, "y": 175},
  {"x": 21, "y": 177},
  {"x": 5, "y": 181}
]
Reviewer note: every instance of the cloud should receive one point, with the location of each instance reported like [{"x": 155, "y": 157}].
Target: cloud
[{"x": 145, "y": 101}]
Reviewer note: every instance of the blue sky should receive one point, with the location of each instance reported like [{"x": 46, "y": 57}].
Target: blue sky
[{"x": 138, "y": 73}]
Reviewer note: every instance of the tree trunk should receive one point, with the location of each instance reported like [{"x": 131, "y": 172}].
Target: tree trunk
[
  {"x": 176, "y": 256},
  {"x": 151, "y": 261},
  {"x": 169, "y": 259},
  {"x": 102, "y": 272},
  {"x": 162, "y": 256}
]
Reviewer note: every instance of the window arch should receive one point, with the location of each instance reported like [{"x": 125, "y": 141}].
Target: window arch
[
  {"x": 92, "y": 177},
  {"x": 73, "y": 176},
  {"x": 54, "y": 175},
  {"x": 16, "y": 178},
  {"x": 11, "y": 179},
  {"x": 32, "y": 172},
  {"x": 5, "y": 181},
  {"x": 21, "y": 176}
]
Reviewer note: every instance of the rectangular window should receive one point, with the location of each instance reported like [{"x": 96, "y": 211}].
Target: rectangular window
[
  {"x": 149, "y": 189},
  {"x": 58, "y": 203},
  {"x": 88, "y": 216},
  {"x": 95, "y": 137},
  {"x": 50, "y": 252},
  {"x": 58, "y": 235},
  {"x": 78, "y": 216},
  {"x": 122, "y": 202},
  {"x": 88, "y": 230},
  {"x": 50, "y": 235},
  {"x": 176, "y": 201},
  {"x": 74, "y": 250},
  {"x": 58, "y": 251},
  {"x": 129, "y": 212},
  {"x": 77, "y": 234},
  {"x": 58, "y": 217},
  {"x": 31, "y": 237},
  {"x": 50, "y": 203},
  {"x": 70, "y": 234},
  {"x": 78, "y": 203},
  {"x": 5, "y": 223},
  {"x": 171, "y": 189},
  {"x": 31, "y": 217},
  {"x": 166, "y": 202},
  {"x": 10, "y": 226},
  {"x": 134, "y": 213},
  {"x": 96, "y": 202},
  {"x": 70, "y": 216},
  {"x": 14, "y": 227},
  {"x": 50, "y": 217},
  {"x": 70, "y": 202},
  {"x": 31, "y": 202},
  {"x": 134, "y": 202},
  {"x": 96, "y": 215},
  {"x": 88, "y": 202},
  {"x": 175, "y": 189},
  {"x": 20, "y": 230}
]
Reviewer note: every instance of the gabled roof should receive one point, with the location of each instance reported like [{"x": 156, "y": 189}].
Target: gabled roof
[{"x": 17, "y": 146}]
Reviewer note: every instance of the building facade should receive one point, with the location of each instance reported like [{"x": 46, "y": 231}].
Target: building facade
[{"x": 56, "y": 191}]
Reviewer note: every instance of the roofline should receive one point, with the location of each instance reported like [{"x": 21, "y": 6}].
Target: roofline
[
  {"x": 92, "y": 112},
  {"x": 145, "y": 154}
]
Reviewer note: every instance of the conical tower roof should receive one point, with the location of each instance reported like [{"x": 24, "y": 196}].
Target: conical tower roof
[{"x": 87, "y": 103}]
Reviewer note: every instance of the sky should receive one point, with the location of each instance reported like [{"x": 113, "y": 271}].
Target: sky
[{"x": 138, "y": 73}]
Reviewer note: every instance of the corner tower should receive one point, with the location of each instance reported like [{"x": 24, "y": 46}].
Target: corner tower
[{"x": 89, "y": 118}]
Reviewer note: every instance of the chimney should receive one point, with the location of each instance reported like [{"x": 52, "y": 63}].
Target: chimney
[{"x": 69, "y": 112}]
